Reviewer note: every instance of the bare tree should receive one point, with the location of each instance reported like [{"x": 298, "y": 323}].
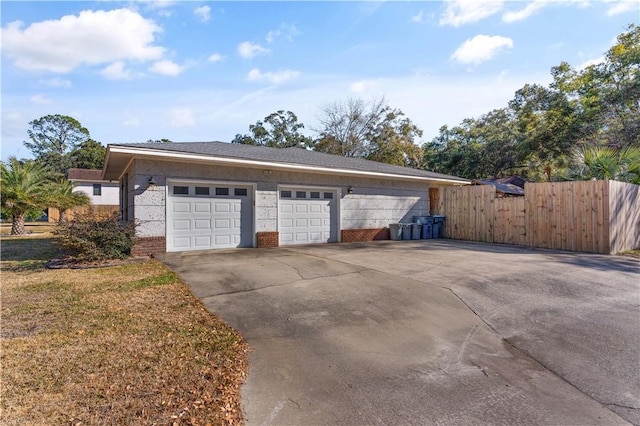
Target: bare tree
[{"x": 347, "y": 126}]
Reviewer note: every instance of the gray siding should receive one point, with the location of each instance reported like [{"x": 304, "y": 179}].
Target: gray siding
[{"x": 374, "y": 203}]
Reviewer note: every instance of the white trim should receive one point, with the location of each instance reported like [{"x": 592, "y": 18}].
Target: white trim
[
  {"x": 173, "y": 181},
  {"x": 271, "y": 165}
]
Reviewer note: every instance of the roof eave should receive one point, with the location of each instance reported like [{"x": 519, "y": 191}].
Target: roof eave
[{"x": 114, "y": 173}]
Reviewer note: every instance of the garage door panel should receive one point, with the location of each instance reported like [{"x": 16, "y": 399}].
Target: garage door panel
[
  {"x": 222, "y": 224},
  {"x": 222, "y": 207},
  {"x": 202, "y": 242},
  {"x": 181, "y": 207},
  {"x": 286, "y": 223},
  {"x": 181, "y": 242},
  {"x": 202, "y": 224},
  {"x": 316, "y": 208},
  {"x": 202, "y": 207},
  {"x": 301, "y": 208},
  {"x": 286, "y": 207},
  {"x": 182, "y": 225}
]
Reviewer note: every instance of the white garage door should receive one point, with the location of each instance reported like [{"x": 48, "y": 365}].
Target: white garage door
[
  {"x": 208, "y": 216},
  {"x": 307, "y": 216}
]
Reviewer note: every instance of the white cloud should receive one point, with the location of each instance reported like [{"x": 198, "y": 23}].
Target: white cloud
[
  {"x": 92, "y": 37},
  {"x": 203, "y": 13},
  {"x": 362, "y": 86},
  {"x": 116, "y": 71},
  {"x": 460, "y": 12},
  {"x": 481, "y": 48},
  {"x": 159, "y": 4},
  {"x": 247, "y": 49},
  {"x": 277, "y": 77},
  {"x": 286, "y": 31},
  {"x": 622, "y": 6},
  {"x": 39, "y": 99},
  {"x": 166, "y": 67},
  {"x": 590, "y": 62},
  {"x": 523, "y": 14},
  {"x": 216, "y": 57},
  {"x": 181, "y": 117},
  {"x": 56, "y": 82},
  {"x": 419, "y": 17}
]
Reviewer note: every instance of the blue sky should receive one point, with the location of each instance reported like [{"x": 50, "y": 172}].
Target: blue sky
[{"x": 200, "y": 71}]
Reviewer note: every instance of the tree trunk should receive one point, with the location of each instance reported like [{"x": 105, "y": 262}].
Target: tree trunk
[
  {"x": 62, "y": 218},
  {"x": 17, "y": 225}
]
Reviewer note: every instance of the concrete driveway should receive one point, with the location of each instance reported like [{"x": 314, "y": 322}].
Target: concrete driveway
[{"x": 428, "y": 332}]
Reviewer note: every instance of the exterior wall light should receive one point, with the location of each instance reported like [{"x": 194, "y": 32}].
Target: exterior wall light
[
  {"x": 350, "y": 190},
  {"x": 151, "y": 182}
]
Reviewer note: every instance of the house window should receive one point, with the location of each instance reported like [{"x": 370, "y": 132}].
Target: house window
[
  {"x": 180, "y": 190},
  {"x": 328, "y": 195},
  {"x": 202, "y": 190},
  {"x": 314, "y": 195},
  {"x": 285, "y": 194},
  {"x": 301, "y": 194},
  {"x": 240, "y": 192},
  {"x": 222, "y": 191},
  {"x": 97, "y": 189}
]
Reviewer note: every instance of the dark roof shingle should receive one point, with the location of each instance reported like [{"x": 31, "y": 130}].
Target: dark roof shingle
[
  {"x": 288, "y": 156},
  {"x": 85, "y": 174}
]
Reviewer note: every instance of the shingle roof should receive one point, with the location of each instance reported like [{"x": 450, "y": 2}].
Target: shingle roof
[
  {"x": 506, "y": 188},
  {"x": 85, "y": 174},
  {"x": 288, "y": 156}
]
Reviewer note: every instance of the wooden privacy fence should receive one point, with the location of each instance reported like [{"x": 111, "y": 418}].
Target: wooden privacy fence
[
  {"x": 586, "y": 216},
  {"x": 101, "y": 211}
]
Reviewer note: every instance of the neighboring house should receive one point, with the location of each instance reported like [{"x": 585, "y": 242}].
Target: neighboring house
[
  {"x": 502, "y": 189},
  {"x": 513, "y": 180},
  {"x": 90, "y": 182},
  {"x": 207, "y": 195}
]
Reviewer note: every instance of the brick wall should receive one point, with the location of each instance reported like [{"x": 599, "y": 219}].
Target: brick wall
[
  {"x": 146, "y": 246},
  {"x": 355, "y": 235},
  {"x": 268, "y": 239}
]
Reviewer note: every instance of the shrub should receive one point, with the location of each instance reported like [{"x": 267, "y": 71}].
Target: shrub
[{"x": 91, "y": 238}]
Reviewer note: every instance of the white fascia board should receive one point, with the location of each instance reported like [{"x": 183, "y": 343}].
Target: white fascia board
[{"x": 271, "y": 165}]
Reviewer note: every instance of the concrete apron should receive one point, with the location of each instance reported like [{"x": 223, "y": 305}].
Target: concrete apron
[{"x": 337, "y": 343}]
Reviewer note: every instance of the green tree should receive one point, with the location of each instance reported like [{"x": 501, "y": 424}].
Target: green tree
[
  {"x": 547, "y": 126},
  {"x": 278, "y": 130},
  {"x": 61, "y": 196},
  {"x": 608, "y": 163},
  {"x": 392, "y": 141},
  {"x": 24, "y": 190},
  {"x": 87, "y": 155},
  {"x": 52, "y": 137},
  {"x": 373, "y": 130}
]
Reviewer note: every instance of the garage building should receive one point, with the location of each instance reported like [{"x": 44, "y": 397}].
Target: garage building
[{"x": 209, "y": 195}]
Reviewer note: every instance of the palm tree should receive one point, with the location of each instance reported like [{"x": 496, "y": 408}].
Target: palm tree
[
  {"x": 62, "y": 197},
  {"x": 609, "y": 163},
  {"x": 23, "y": 189}
]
